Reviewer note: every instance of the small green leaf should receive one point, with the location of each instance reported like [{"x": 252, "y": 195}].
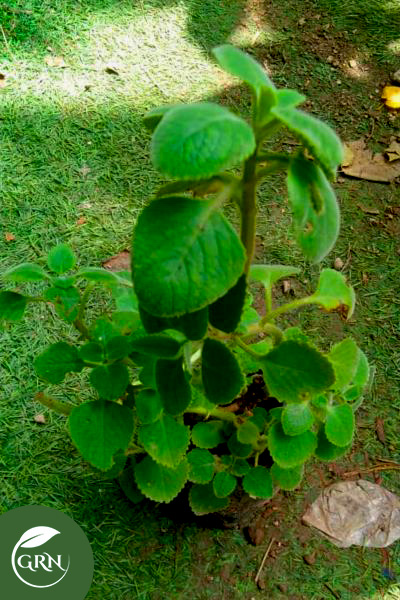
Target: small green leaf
[
  {"x": 124, "y": 296},
  {"x": 340, "y": 424},
  {"x": 172, "y": 385},
  {"x": 238, "y": 449},
  {"x": 290, "y": 450},
  {"x": 201, "y": 465},
  {"x": 293, "y": 369},
  {"x": 321, "y": 141},
  {"x": 316, "y": 216},
  {"x": 242, "y": 65},
  {"x": 161, "y": 346},
  {"x": 297, "y": 418},
  {"x": 224, "y": 483},
  {"x": 333, "y": 292},
  {"x": 268, "y": 275},
  {"x": 217, "y": 359},
  {"x": 91, "y": 353},
  {"x": 117, "y": 468},
  {"x": 110, "y": 381},
  {"x": 129, "y": 486},
  {"x": 103, "y": 330},
  {"x": 209, "y": 434},
  {"x": 98, "y": 275},
  {"x": 117, "y": 347},
  {"x": 287, "y": 479},
  {"x": 61, "y": 259},
  {"x": 158, "y": 482},
  {"x": 185, "y": 256},
  {"x": 56, "y": 361},
  {"x": 152, "y": 118},
  {"x": 193, "y": 325},
  {"x": 63, "y": 281},
  {"x": 296, "y": 334},
  {"x": 362, "y": 374},
  {"x": 260, "y": 418},
  {"x": 66, "y": 301},
  {"x": 165, "y": 440},
  {"x": 289, "y": 98},
  {"x": 199, "y": 140},
  {"x": 26, "y": 272},
  {"x": 327, "y": 451},
  {"x": 126, "y": 321},
  {"x": 248, "y": 433},
  {"x": 226, "y": 312},
  {"x": 12, "y": 306},
  {"x": 148, "y": 406},
  {"x": 240, "y": 467},
  {"x": 147, "y": 374},
  {"x": 203, "y": 500},
  {"x": 257, "y": 482},
  {"x": 99, "y": 429},
  {"x": 344, "y": 357}
]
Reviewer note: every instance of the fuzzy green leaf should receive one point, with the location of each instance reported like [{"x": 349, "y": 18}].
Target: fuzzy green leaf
[
  {"x": 217, "y": 359},
  {"x": 290, "y": 450},
  {"x": 148, "y": 406},
  {"x": 193, "y": 325},
  {"x": 333, "y": 293},
  {"x": 287, "y": 479},
  {"x": 25, "y": 272},
  {"x": 201, "y": 465},
  {"x": 165, "y": 440},
  {"x": 61, "y": 259},
  {"x": 248, "y": 433},
  {"x": 56, "y": 361},
  {"x": 185, "y": 256},
  {"x": 92, "y": 352},
  {"x": 199, "y": 140},
  {"x": 224, "y": 483},
  {"x": 268, "y": 275},
  {"x": 242, "y": 65},
  {"x": 340, "y": 425},
  {"x": 158, "y": 482},
  {"x": 297, "y": 418},
  {"x": 66, "y": 301},
  {"x": 259, "y": 418},
  {"x": 153, "y": 117},
  {"x": 129, "y": 486},
  {"x": 126, "y": 321},
  {"x": 226, "y": 312},
  {"x": 161, "y": 346},
  {"x": 12, "y": 306},
  {"x": 327, "y": 451},
  {"x": 99, "y": 429},
  {"x": 172, "y": 385},
  {"x": 240, "y": 467},
  {"x": 98, "y": 275},
  {"x": 289, "y": 98},
  {"x": 238, "y": 449},
  {"x": 110, "y": 381},
  {"x": 257, "y": 482},
  {"x": 344, "y": 357},
  {"x": 293, "y": 369},
  {"x": 208, "y": 434},
  {"x": 117, "y": 347},
  {"x": 103, "y": 330},
  {"x": 362, "y": 374},
  {"x": 203, "y": 500}
]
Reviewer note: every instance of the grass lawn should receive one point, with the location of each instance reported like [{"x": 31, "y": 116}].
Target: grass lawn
[{"x": 74, "y": 167}]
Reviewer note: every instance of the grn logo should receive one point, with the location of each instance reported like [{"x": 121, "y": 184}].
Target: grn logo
[{"x": 41, "y": 568}]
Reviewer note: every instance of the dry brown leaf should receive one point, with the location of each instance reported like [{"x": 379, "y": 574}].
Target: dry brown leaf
[
  {"x": 9, "y": 237},
  {"x": 393, "y": 151},
  {"x": 380, "y": 430},
  {"x": 40, "y": 419},
  {"x": 3, "y": 81},
  {"x": 119, "y": 262},
  {"x": 85, "y": 170},
  {"x": 81, "y": 221},
  {"x": 368, "y": 210},
  {"x": 338, "y": 264},
  {"x": 55, "y": 61},
  {"x": 367, "y": 165}
]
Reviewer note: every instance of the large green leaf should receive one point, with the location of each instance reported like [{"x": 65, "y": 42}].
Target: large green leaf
[
  {"x": 270, "y": 274},
  {"x": 287, "y": 479},
  {"x": 226, "y": 312},
  {"x": 321, "y": 141},
  {"x": 165, "y": 440},
  {"x": 217, "y": 359},
  {"x": 248, "y": 433},
  {"x": 242, "y": 65},
  {"x": 208, "y": 434},
  {"x": 224, "y": 483},
  {"x": 25, "y": 272},
  {"x": 110, "y": 381},
  {"x": 185, "y": 256},
  {"x": 290, "y": 450},
  {"x": 61, "y": 259},
  {"x": 172, "y": 385},
  {"x": 148, "y": 406},
  {"x": 293, "y": 369},
  {"x": 161, "y": 346},
  {"x": 297, "y": 418},
  {"x": 316, "y": 217},
  {"x": 193, "y": 325},
  {"x": 333, "y": 293},
  {"x": 12, "y": 306},
  {"x": 327, "y": 451},
  {"x": 58, "y": 360},
  {"x": 152, "y": 118},
  {"x": 66, "y": 301},
  {"x": 203, "y": 500},
  {"x": 99, "y": 429},
  {"x": 158, "y": 482},
  {"x": 340, "y": 424},
  {"x": 201, "y": 465},
  {"x": 344, "y": 357},
  {"x": 257, "y": 482},
  {"x": 199, "y": 140}
]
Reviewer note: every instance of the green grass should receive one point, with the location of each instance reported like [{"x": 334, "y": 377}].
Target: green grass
[{"x": 72, "y": 145}]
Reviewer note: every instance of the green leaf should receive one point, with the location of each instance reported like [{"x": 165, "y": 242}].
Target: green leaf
[
  {"x": 240, "y": 467},
  {"x": 224, "y": 483},
  {"x": 12, "y": 306},
  {"x": 63, "y": 281},
  {"x": 248, "y": 433},
  {"x": 126, "y": 322},
  {"x": 66, "y": 302},
  {"x": 217, "y": 359},
  {"x": 158, "y": 482},
  {"x": 293, "y": 369},
  {"x": 344, "y": 357},
  {"x": 117, "y": 347},
  {"x": 249, "y": 363},
  {"x": 362, "y": 374},
  {"x": 333, "y": 293},
  {"x": 148, "y": 406},
  {"x": 91, "y": 353},
  {"x": 226, "y": 312},
  {"x": 151, "y": 323},
  {"x": 99, "y": 429},
  {"x": 209, "y": 434},
  {"x": 199, "y": 140},
  {"x": 289, "y": 98},
  {"x": 238, "y": 449},
  {"x": 110, "y": 381},
  {"x": 117, "y": 468},
  {"x": 165, "y": 440},
  {"x": 152, "y": 118},
  {"x": 287, "y": 479},
  {"x": 290, "y": 450},
  {"x": 297, "y": 418},
  {"x": 327, "y": 451},
  {"x": 161, "y": 346},
  {"x": 193, "y": 325},
  {"x": 61, "y": 259},
  {"x": 148, "y": 372},
  {"x": 268, "y": 275},
  {"x": 201, "y": 465},
  {"x": 316, "y": 216},
  {"x": 124, "y": 296},
  {"x": 172, "y": 385},
  {"x": 242, "y": 65},
  {"x": 129, "y": 486},
  {"x": 98, "y": 275},
  {"x": 203, "y": 500},
  {"x": 257, "y": 482},
  {"x": 26, "y": 272},
  {"x": 340, "y": 425},
  {"x": 56, "y": 361},
  {"x": 321, "y": 141},
  {"x": 186, "y": 255},
  {"x": 296, "y": 334},
  {"x": 103, "y": 330},
  {"x": 259, "y": 418}
]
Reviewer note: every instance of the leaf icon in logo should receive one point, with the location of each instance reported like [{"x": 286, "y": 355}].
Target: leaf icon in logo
[{"x": 36, "y": 536}]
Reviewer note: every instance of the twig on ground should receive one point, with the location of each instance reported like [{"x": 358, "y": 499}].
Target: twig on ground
[
  {"x": 263, "y": 560},
  {"x": 385, "y": 467},
  {"x": 328, "y": 587},
  {"x": 16, "y": 11}
]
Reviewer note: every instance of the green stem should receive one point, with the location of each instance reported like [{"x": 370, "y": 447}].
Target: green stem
[
  {"x": 249, "y": 208},
  {"x": 219, "y": 413},
  {"x": 187, "y": 355},
  {"x": 60, "y": 407},
  {"x": 284, "y": 309},
  {"x": 246, "y": 348},
  {"x": 79, "y": 321}
]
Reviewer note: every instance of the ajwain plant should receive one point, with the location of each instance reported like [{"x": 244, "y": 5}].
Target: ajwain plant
[{"x": 170, "y": 361}]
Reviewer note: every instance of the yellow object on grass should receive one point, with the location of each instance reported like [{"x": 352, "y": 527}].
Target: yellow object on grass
[{"x": 391, "y": 96}]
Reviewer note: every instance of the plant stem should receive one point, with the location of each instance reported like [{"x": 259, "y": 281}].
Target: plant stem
[
  {"x": 79, "y": 322},
  {"x": 246, "y": 348},
  {"x": 249, "y": 208},
  {"x": 60, "y": 407},
  {"x": 283, "y": 309},
  {"x": 220, "y": 413}
]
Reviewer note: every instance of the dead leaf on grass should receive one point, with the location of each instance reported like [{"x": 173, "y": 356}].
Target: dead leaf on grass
[
  {"x": 391, "y": 96},
  {"x": 362, "y": 163},
  {"x": 55, "y": 61},
  {"x": 380, "y": 430},
  {"x": 85, "y": 170},
  {"x": 111, "y": 70},
  {"x": 368, "y": 210},
  {"x": 119, "y": 262},
  {"x": 393, "y": 151},
  {"x": 81, "y": 221},
  {"x": 40, "y": 419},
  {"x": 9, "y": 237},
  {"x": 3, "y": 81}
]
